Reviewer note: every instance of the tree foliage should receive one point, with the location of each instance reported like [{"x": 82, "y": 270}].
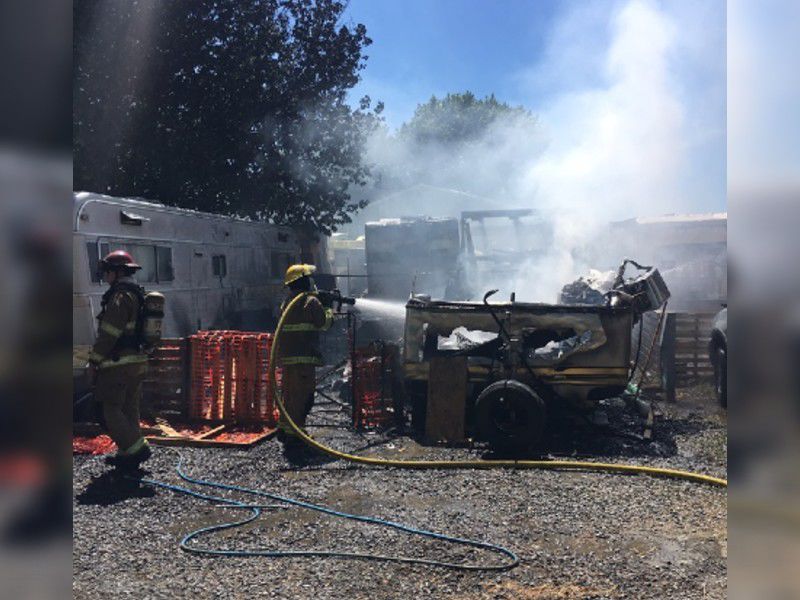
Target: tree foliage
[
  {"x": 459, "y": 142},
  {"x": 233, "y": 106},
  {"x": 458, "y": 119}
]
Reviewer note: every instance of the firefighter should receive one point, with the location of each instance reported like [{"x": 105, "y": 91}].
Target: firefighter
[
  {"x": 117, "y": 363},
  {"x": 298, "y": 350}
]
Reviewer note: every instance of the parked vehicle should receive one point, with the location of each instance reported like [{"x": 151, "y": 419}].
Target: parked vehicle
[
  {"x": 214, "y": 271},
  {"x": 718, "y": 352},
  {"x": 408, "y": 254}
]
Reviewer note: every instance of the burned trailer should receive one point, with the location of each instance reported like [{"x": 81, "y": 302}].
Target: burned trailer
[{"x": 495, "y": 371}]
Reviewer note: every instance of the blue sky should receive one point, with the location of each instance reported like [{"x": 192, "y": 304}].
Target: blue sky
[
  {"x": 430, "y": 47},
  {"x": 658, "y": 68}
]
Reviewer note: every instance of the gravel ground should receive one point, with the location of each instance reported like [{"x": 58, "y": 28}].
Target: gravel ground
[{"x": 579, "y": 535}]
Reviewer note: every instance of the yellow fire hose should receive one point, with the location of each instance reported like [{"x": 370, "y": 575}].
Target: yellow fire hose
[{"x": 468, "y": 464}]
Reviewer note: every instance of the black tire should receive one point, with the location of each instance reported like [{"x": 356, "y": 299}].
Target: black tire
[
  {"x": 510, "y": 416},
  {"x": 721, "y": 376}
]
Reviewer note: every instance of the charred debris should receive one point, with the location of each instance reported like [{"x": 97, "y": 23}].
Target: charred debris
[{"x": 499, "y": 372}]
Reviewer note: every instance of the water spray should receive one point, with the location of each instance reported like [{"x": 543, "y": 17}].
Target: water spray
[{"x": 386, "y": 309}]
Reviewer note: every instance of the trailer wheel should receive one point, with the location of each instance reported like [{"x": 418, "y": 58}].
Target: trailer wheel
[{"x": 510, "y": 415}]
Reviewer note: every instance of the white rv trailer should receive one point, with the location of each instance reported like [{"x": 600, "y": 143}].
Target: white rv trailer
[{"x": 216, "y": 272}]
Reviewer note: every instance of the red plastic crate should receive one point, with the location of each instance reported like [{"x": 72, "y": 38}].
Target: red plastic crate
[
  {"x": 230, "y": 377},
  {"x": 373, "y": 405}
]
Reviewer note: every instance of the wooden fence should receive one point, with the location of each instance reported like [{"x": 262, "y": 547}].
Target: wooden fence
[
  {"x": 684, "y": 351},
  {"x": 680, "y": 354}
]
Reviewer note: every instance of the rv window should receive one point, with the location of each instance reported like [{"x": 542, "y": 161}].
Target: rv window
[
  {"x": 146, "y": 257},
  {"x": 218, "y": 265},
  {"x": 164, "y": 263},
  {"x": 95, "y": 253},
  {"x": 94, "y": 260},
  {"x": 151, "y": 271}
]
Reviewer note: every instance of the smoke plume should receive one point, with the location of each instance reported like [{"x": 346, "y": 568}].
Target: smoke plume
[{"x": 620, "y": 143}]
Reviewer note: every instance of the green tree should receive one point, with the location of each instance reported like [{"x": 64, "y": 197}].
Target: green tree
[
  {"x": 458, "y": 119},
  {"x": 460, "y": 142},
  {"x": 233, "y": 106}
]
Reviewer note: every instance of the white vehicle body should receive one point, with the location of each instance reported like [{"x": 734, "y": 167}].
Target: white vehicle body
[{"x": 215, "y": 272}]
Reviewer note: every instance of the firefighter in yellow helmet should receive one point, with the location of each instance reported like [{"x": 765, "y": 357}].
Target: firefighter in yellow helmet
[
  {"x": 117, "y": 363},
  {"x": 298, "y": 351}
]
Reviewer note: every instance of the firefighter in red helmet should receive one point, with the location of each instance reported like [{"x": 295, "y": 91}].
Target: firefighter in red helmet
[{"x": 117, "y": 363}]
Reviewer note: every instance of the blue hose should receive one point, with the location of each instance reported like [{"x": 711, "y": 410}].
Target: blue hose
[{"x": 255, "y": 512}]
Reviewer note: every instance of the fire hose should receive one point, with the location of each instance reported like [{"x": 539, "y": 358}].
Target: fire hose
[
  {"x": 560, "y": 465},
  {"x": 188, "y": 542}
]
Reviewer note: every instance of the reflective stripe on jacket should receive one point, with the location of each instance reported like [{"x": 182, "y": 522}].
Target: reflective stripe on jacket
[
  {"x": 118, "y": 318},
  {"x": 301, "y": 360},
  {"x": 128, "y": 359},
  {"x": 299, "y": 343}
]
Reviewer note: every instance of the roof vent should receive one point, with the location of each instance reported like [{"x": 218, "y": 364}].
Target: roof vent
[{"x": 129, "y": 218}]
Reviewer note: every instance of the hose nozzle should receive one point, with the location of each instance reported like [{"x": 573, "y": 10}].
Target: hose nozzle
[{"x": 334, "y": 298}]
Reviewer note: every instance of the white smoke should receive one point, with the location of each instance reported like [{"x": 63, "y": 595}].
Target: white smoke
[
  {"x": 615, "y": 152},
  {"x": 620, "y": 146}
]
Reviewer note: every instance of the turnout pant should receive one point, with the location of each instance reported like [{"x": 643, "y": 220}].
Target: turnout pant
[
  {"x": 119, "y": 389},
  {"x": 299, "y": 384}
]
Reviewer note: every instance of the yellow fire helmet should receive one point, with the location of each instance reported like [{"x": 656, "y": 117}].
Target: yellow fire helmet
[{"x": 295, "y": 272}]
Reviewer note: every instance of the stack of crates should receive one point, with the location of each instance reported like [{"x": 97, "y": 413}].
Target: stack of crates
[{"x": 230, "y": 378}]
